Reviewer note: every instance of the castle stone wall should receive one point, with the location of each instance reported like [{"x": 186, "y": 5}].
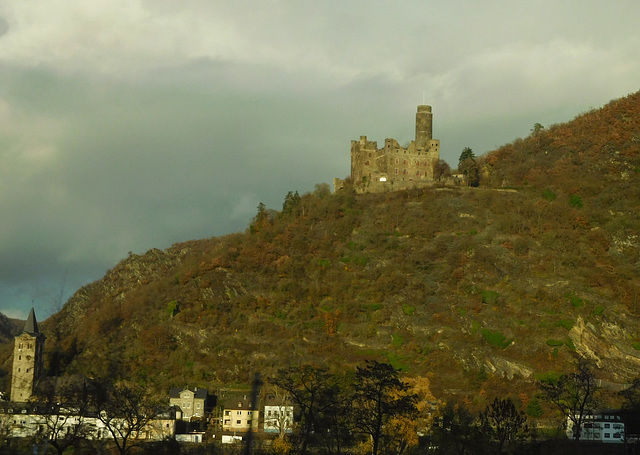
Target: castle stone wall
[{"x": 393, "y": 167}]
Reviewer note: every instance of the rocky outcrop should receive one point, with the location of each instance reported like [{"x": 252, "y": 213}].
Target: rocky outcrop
[{"x": 608, "y": 345}]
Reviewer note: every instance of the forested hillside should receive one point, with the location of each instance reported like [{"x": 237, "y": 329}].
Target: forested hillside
[{"x": 468, "y": 287}]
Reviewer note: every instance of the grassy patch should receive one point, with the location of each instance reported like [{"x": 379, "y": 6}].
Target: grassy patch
[
  {"x": 599, "y": 309},
  {"x": 398, "y": 362},
  {"x": 550, "y": 377},
  {"x": 576, "y": 301},
  {"x": 397, "y": 340},
  {"x": 490, "y": 297},
  {"x": 408, "y": 309},
  {"x": 371, "y": 307},
  {"x": 555, "y": 342},
  {"x": 495, "y": 338},
  {"x": 566, "y": 323},
  {"x": 576, "y": 201},
  {"x": 636, "y": 345},
  {"x": 172, "y": 308}
]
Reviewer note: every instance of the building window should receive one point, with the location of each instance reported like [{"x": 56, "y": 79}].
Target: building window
[
  {"x": 607, "y": 425},
  {"x": 227, "y": 413},
  {"x": 417, "y": 172},
  {"x": 396, "y": 171},
  {"x": 397, "y": 160},
  {"x": 607, "y": 435},
  {"x": 238, "y": 422}
]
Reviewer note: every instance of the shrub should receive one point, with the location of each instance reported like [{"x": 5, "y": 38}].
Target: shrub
[
  {"x": 550, "y": 377},
  {"x": 576, "y": 301},
  {"x": 555, "y": 342},
  {"x": 397, "y": 340},
  {"x": 566, "y": 323},
  {"x": 575, "y": 201},
  {"x": 534, "y": 409},
  {"x": 598, "y": 310},
  {"x": 569, "y": 344},
  {"x": 408, "y": 309},
  {"x": 636, "y": 345},
  {"x": 173, "y": 308},
  {"x": 549, "y": 195},
  {"x": 371, "y": 307},
  {"x": 398, "y": 362},
  {"x": 490, "y": 297},
  {"x": 495, "y": 338}
]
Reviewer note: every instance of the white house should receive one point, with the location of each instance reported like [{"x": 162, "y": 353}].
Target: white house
[{"x": 604, "y": 426}]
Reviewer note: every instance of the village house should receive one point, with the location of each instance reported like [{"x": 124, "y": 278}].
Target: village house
[
  {"x": 22, "y": 420},
  {"x": 192, "y": 403},
  {"x": 278, "y": 415},
  {"x": 603, "y": 426},
  {"x": 238, "y": 414}
]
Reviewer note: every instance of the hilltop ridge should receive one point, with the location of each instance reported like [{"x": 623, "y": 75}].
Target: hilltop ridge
[{"x": 471, "y": 288}]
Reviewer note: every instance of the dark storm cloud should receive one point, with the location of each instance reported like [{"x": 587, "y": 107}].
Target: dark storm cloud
[{"x": 132, "y": 125}]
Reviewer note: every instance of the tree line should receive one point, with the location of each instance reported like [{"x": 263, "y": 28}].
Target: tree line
[{"x": 373, "y": 411}]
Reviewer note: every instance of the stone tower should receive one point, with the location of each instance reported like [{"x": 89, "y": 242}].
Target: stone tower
[
  {"x": 27, "y": 360},
  {"x": 424, "y": 126}
]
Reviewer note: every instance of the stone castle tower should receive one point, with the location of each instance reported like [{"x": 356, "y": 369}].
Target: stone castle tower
[
  {"x": 394, "y": 167},
  {"x": 27, "y": 360}
]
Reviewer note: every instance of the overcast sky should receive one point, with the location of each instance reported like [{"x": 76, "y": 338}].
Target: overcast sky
[{"x": 132, "y": 124}]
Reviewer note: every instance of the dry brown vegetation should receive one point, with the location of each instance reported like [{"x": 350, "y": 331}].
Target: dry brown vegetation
[{"x": 460, "y": 285}]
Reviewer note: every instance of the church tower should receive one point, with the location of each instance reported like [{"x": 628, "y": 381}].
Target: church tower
[{"x": 27, "y": 360}]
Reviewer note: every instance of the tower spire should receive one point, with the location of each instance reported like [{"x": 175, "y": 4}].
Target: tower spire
[{"x": 31, "y": 326}]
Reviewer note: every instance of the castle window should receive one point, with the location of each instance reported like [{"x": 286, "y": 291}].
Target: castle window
[
  {"x": 404, "y": 171},
  {"x": 404, "y": 162},
  {"x": 397, "y": 160},
  {"x": 418, "y": 173},
  {"x": 366, "y": 162},
  {"x": 369, "y": 154},
  {"x": 396, "y": 171}
]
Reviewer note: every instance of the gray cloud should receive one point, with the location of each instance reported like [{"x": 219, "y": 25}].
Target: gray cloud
[{"x": 135, "y": 125}]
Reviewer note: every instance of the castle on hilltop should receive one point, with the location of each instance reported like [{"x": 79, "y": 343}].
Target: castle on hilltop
[{"x": 393, "y": 167}]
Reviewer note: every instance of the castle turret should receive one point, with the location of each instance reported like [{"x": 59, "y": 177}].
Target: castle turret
[
  {"x": 424, "y": 125},
  {"x": 27, "y": 360}
]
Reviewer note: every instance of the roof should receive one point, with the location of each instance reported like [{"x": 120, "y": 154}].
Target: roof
[
  {"x": 31, "y": 326},
  {"x": 174, "y": 392}
]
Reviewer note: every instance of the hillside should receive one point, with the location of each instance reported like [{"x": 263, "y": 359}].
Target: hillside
[{"x": 470, "y": 287}]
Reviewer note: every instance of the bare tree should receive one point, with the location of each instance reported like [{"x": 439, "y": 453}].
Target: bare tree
[
  {"x": 503, "y": 423},
  {"x": 125, "y": 411},
  {"x": 310, "y": 388},
  {"x": 64, "y": 405},
  {"x": 575, "y": 394}
]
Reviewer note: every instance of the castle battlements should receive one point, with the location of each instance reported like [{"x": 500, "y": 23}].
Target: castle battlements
[{"x": 393, "y": 167}]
